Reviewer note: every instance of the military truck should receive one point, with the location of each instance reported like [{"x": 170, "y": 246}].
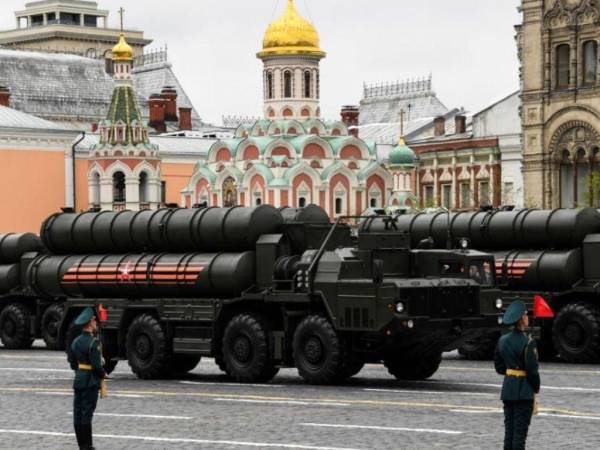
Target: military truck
[
  {"x": 24, "y": 316},
  {"x": 554, "y": 254},
  {"x": 259, "y": 289}
]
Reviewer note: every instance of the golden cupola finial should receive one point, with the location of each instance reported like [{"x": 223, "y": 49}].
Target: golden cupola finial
[
  {"x": 122, "y": 51},
  {"x": 291, "y": 34}
]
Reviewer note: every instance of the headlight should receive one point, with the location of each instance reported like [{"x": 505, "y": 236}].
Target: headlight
[
  {"x": 499, "y": 303},
  {"x": 500, "y": 320},
  {"x": 399, "y": 307},
  {"x": 410, "y": 324}
]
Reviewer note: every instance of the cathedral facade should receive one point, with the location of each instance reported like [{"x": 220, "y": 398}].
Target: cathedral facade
[
  {"x": 293, "y": 158},
  {"x": 558, "y": 47}
]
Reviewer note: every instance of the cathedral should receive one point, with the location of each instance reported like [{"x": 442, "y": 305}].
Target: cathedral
[{"x": 292, "y": 157}]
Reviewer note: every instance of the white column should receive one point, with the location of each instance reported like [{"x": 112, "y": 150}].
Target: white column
[
  {"x": 132, "y": 193},
  {"x": 45, "y": 15},
  {"x": 69, "y": 188},
  {"x": 153, "y": 193},
  {"x": 473, "y": 182},
  {"x": 452, "y": 202},
  {"x": 435, "y": 182},
  {"x": 106, "y": 193}
]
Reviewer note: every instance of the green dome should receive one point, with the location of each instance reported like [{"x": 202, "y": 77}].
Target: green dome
[{"x": 402, "y": 155}]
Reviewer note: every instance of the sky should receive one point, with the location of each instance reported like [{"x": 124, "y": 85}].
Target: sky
[{"x": 467, "y": 45}]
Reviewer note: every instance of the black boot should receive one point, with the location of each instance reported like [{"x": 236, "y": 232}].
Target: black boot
[
  {"x": 79, "y": 436},
  {"x": 87, "y": 437}
]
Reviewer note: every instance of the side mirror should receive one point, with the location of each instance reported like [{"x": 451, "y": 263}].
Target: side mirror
[{"x": 378, "y": 271}]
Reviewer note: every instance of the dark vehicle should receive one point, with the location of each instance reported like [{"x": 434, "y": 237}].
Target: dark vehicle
[
  {"x": 552, "y": 253},
  {"x": 24, "y": 316},
  {"x": 259, "y": 289}
]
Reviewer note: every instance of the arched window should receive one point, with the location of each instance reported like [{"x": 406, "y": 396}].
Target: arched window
[
  {"x": 287, "y": 84},
  {"x": 307, "y": 84},
  {"x": 118, "y": 187},
  {"x": 338, "y": 205},
  {"x": 301, "y": 202},
  {"x": 563, "y": 66},
  {"x": 567, "y": 197},
  {"x": 590, "y": 62},
  {"x": 583, "y": 178},
  {"x": 373, "y": 203},
  {"x": 258, "y": 201},
  {"x": 269, "y": 85},
  {"x": 143, "y": 188},
  {"x": 95, "y": 190}
]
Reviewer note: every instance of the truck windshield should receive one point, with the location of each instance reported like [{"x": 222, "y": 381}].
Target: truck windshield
[
  {"x": 481, "y": 272},
  {"x": 478, "y": 270}
]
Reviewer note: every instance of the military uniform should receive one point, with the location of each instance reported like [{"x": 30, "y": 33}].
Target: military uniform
[
  {"x": 516, "y": 358},
  {"x": 86, "y": 359}
]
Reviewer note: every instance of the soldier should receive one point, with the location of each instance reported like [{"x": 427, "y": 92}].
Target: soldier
[
  {"x": 516, "y": 358},
  {"x": 86, "y": 359}
]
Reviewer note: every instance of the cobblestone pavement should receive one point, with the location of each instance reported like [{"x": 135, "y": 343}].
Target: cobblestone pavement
[{"x": 457, "y": 409}]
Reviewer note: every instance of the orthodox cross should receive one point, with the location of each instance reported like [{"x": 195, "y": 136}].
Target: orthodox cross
[{"x": 121, "y": 12}]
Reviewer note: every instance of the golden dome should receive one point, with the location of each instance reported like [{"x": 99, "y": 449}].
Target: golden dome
[
  {"x": 122, "y": 51},
  {"x": 291, "y": 34}
]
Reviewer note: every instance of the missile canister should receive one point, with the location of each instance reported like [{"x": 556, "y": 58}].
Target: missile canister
[
  {"x": 13, "y": 246},
  {"x": 309, "y": 214},
  {"x": 191, "y": 275},
  {"x": 524, "y": 229},
  {"x": 530, "y": 270},
  {"x": 9, "y": 277},
  {"x": 233, "y": 229}
]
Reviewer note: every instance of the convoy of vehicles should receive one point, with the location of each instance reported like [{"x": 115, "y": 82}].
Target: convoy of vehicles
[{"x": 259, "y": 289}]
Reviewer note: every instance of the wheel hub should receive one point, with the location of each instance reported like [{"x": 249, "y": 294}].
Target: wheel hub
[
  {"x": 10, "y": 328},
  {"x": 242, "y": 349},
  {"x": 574, "y": 334},
  {"x": 313, "y": 350},
  {"x": 143, "y": 346}
]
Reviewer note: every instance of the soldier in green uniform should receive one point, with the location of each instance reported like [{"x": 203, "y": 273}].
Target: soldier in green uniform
[
  {"x": 516, "y": 358},
  {"x": 85, "y": 358}
]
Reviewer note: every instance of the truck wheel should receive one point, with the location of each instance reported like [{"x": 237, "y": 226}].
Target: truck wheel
[
  {"x": 15, "y": 327},
  {"x": 246, "y": 349},
  {"x": 576, "y": 333},
  {"x": 50, "y": 327},
  {"x": 184, "y": 363},
  {"x": 319, "y": 352},
  {"x": 480, "y": 347},
  {"x": 147, "y": 348},
  {"x": 413, "y": 369}
]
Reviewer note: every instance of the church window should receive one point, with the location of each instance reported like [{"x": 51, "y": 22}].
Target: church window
[
  {"x": 563, "y": 66},
  {"x": 287, "y": 84},
  {"x": 373, "y": 203},
  {"x": 429, "y": 200},
  {"x": 301, "y": 202},
  {"x": 484, "y": 193},
  {"x": 95, "y": 190},
  {"x": 338, "y": 205},
  {"x": 590, "y": 62},
  {"x": 307, "y": 84},
  {"x": 258, "y": 201},
  {"x": 143, "y": 187},
  {"x": 447, "y": 195},
  {"x": 163, "y": 192},
  {"x": 465, "y": 195},
  {"x": 318, "y": 90},
  {"x": 118, "y": 187},
  {"x": 269, "y": 85}
]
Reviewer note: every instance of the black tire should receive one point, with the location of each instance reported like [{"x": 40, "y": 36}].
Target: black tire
[
  {"x": 246, "y": 349},
  {"x": 15, "y": 327},
  {"x": 319, "y": 352},
  {"x": 147, "y": 347},
  {"x": 51, "y": 320},
  {"x": 480, "y": 347},
  {"x": 109, "y": 366},
  {"x": 413, "y": 369},
  {"x": 184, "y": 363},
  {"x": 576, "y": 333}
]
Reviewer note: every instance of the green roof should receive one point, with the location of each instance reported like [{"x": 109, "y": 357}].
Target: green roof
[
  {"x": 264, "y": 171},
  {"x": 125, "y": 110},
  {"x": 402, "y": 155},
  {"x": 278, "y": 182},
  {"x": 364, "y": 172}
]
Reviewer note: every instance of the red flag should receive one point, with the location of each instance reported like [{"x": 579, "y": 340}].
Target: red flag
[
  {"x": 102, "y": 313},
  {"x": 541, "y": 308}
]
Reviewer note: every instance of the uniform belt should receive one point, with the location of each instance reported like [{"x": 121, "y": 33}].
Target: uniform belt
[
  {"x": 85, "y": 366},
  {"x": 516, "y": 373}
]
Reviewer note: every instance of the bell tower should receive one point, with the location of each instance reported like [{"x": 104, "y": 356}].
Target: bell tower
[{"x": 291, "y": 56}]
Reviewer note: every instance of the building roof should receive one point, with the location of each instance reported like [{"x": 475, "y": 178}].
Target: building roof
[
  {"x": 11, "y": 118},
  {"x": 75, "y": 89}
]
